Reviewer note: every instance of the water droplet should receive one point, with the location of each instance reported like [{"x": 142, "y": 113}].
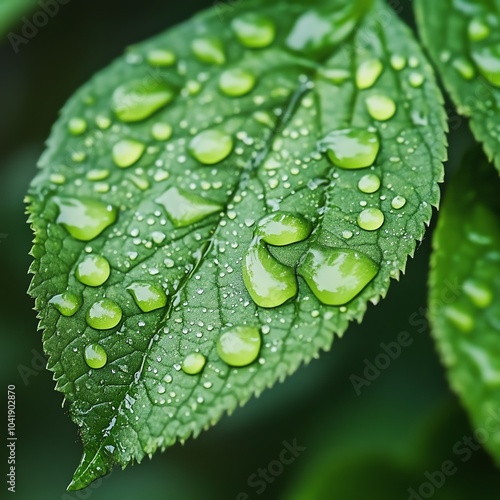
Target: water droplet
[
  {"x": 148, "y": 297},
  {"x": 268, "y": 282},
  {"x": 487, "y": 59},
  {"x": 398, "y": 202},
  {"x": 380, "y": 107},
  {"x": 95, "y": 356},
  {"x": 209, "y": 50},
  {"x": 283, "y": 228},
  {"x": 254, "y": 31},
  {"x": 398, "y": 62},
  {"x": 464, "y": 68},
  {"x": 77, "y": 126},
  {"x": 371, "y": 219},
  {"x": 193, "y": 363},
  {"x": 236, "y": 82},
  {"x": 134, "y": 101},
  {"x": 161, "y": 131},
  {"x": 239, "y": 345},
  {"x": 478, "y": 29},
  {"x": 368, "y": 73},
  {"x": 184, "y": 208},
  {"x": 97, "y": 174},
  {"x": 211, "y": 146},
  {"x": 347, "y": 235},
  {"x": 336, "y": 276},
  {"x": 103, "y": 122},
  {"x": 84, "y": 218},
  {"x": 161, "y": 57},
  {"x": 480, "y": 295},
  {"x": 127, "y": 152},
  {"x": 460, "y": 318},
  {"x": 416, "y": 79},
  {"x": 369, "y": 183},
  {"x": 335, "y": 75},
  {"x": 104, "y": 314},
  {"x": 57, "y": 178},
  {"x": 66, "y": 303},
  {"x": 93, "y": 270},
  {"x": 352, "y": 148}
]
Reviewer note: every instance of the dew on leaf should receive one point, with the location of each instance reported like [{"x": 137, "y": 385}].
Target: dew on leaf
[
  {"x": 368, "y": 73},
  {"x": 147, "y": 296},
  {"x": 253, "y": 30},
  {"x": 161, "y": 131},
  {"x": 398, "y": 202},
  {"x": 369, "y": 183},
  {"x": 416, "y": 79},
  {"x": 479, "y": 293},
  {"x": 193, "y": 363},
  {"x": 464, "y": 68},
  {"x": 161, "y": 57},
  {"x": 97, "y": 174},
  {"x": 104, "y": 314},
  {"x": 57, "y": 179},
  {"x": 283, "y": 228},
  {"x": 84, "y": 218},
  {"x": 478, "y": 29},
  {"x": 66, "y": 303},
  {"x": 209, "y": 50},
  {"x": 239, "y": 345},
  {"x": 77, "y": 126},
  {"x": 380, "y": 107},
  {"x": 487, "y": 59},
  {"x": 211, "y": 146},
  {"x": 93, "y": 270},
  {"x": 184, "y": 208},
  {"x": 95, "y": 356},
  {"x": 398, "y": 62},
  {"x": 371, "y": 219},
  {"x": 127, "y": 152},
  {"x": 236, "y": 82},
  {"x": 460, "y": 318}
]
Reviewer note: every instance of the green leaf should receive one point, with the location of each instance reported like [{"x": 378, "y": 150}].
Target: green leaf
[
  {"x": 464, "y": 281},
  {"x": 213, "y": 202},
  {"x": 463, "y": 39}
]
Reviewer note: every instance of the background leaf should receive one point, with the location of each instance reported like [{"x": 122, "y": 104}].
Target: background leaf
[
  {"x": 127, "y": 402},
  {"x": 12, "y": 10},
  {"x": 464, "y": 284},
  {"x": 463, "y": 41}
]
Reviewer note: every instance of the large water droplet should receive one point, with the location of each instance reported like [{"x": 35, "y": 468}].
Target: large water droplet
[
  {"x": 283, "y": 228},
  {"x": 211, "y": 146},
  {"x": 66, "y": 303},
  {"x": 104, "y": 314},
  {"x": 380, "y": 107},
  {"x": 77, "y": 126},
  {"x": 84, "y": 218},
  {"x": 352, "y": 148},
  {"x": 148, "y": 297},
  {"x": 479, "y": 293},
  {"x": 236, "y": 82},
  {"x": 337, "y": 276},
  {"x": 368, "y": 73},
  {"x": 254, "y": 31},
  {"x": 134, "y": 101},
  {"x": 127, "y": 152},
  {"x": 93, "y": 270},
  {"x": 487, "y": 59},
  {"x": 95, "y": 356},
  {"x": 193, "y": 363},
  {"x": 369, "y": 183},
  {"x": 371, "y": 219},
  {"x": 268, "y": 282},
  {"x": 184, "y": 208},
  {"x": 239, "y": 345},
  {"x": 209, "y": 50},
  {"x": 478, "y": 29},
  {"x": 161, "y": 57}
]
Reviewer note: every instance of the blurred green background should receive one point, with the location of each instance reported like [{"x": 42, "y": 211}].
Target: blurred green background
[{"x": 391, "y": 437}]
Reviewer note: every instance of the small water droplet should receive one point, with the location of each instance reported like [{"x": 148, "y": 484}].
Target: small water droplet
[
  {"x": 347, "y": 235},
  {"x": 77, "y": 126},
  {"x": 211, "y": 146},
  {"x": 66, "y": 303},
  {"x": 369, "y": 183},
  {"x": 236, "y": 82},
  {"x": 371, "y": 219},
  {"x": 478, "y": 29},
  {"x": 57, "y": 178},
  {"x": 239, "y": 345},
  {"x": 209, "y": 50},
  {"x": 193, "y": 363},
  {"x": 97, "y": 174},
  {"x": 416, "y": 79},
  {"x": 253, "y": 30},
  {"x": 161, "y": 57},
  {"x": 368, "y": 73},
  {"x": 480, "y": 295},
  {"x": 95, "y": 356},
  {"x": 352, "y": 148},
  {"x": 93, "y": 270},
  {"x": 336, "y": 276},
  {"x": 283, "y": 228},
  {"x": 104, "y": 314},
  {"x": 84, "y": 218},
  {"x": 136, "y": 100},
  {"x": 380, "y": 107},
  {"x": 184, "y": 208},
  {"x": 127, "y": 152},
  {"x": 147, "y": 296},
  {"x": 487, "y": 59},
  {"x": 398, "y": 202},
  {"x": 464, "y": 68},
  {"x": 161, "y": 131},
  {"x": 268, "y": 282},
  {"x": 398, "y": 62},
  {"x": 460, "y": 318}
]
